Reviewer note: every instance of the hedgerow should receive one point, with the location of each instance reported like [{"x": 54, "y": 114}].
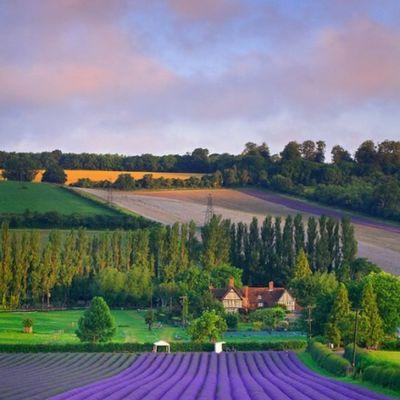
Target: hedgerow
[
  {"x": 384, "y": 373},
  {"x": 145, "y": 347},
  {"x": 328, "y": 360}
]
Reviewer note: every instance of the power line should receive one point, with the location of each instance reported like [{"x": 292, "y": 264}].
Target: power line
[{"x": 209, "y": 209}]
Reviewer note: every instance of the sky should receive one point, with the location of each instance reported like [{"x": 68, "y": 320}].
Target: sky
[{"x": 167, "y": 76}]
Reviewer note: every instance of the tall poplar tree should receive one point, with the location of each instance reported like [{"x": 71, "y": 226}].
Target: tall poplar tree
[
  {"x": 312, "y": 236},
  {"x": 372, "y": 326},
  {"x": 5, "y": 264}
]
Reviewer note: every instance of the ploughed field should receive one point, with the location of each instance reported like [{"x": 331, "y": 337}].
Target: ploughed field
[
  {"x": 378, "y": 241},
  {"x": 40, "y": 376},
  {"x": 242, "y": 375}
]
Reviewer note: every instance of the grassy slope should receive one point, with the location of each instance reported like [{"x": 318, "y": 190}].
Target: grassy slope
[
  {"x": 16, "y": 197},
  {"x": 311, "y": 364},
  {"x": 59, "y": 327}
]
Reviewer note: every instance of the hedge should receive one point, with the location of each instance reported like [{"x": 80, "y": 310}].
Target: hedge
[
  {"x": 393, "y": 345},
  {"x": 145, "y": 347},
  {"x": 384, "y": 373},
  {"x": 328, "y": 360}
]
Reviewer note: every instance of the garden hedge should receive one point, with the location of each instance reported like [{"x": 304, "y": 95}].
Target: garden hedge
[
  {"x": 384, "y": 373},
  {"x": 328, "y": 360},
  {"x": 145, "y": 347}
]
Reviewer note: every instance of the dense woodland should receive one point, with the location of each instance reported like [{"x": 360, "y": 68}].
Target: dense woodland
[{"x": 368, "y": 181}]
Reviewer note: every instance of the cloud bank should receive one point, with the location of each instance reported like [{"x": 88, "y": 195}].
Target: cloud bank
[{"x": 167, "y": 76}]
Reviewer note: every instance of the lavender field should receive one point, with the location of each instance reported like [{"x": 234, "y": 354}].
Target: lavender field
[
  {"x": 243, "y": 375},
  {"x": 40, "y": 376}
]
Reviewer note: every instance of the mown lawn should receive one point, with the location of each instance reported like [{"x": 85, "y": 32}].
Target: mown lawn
[
  {"x": 17, "y": 197},
  {"x": 59, "y": 327},
  {"x": 391, "y": 356}
]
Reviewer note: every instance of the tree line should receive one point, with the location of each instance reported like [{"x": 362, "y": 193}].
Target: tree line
[
  {"x": 164, "y": 263},
  {"x": 368, "y": 181}
]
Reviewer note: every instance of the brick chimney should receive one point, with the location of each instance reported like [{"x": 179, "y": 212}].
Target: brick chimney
[
  {"x": 245, "y": 295},
  {"x": 271, "y": 286},
  {"x": 231, "y": 283}
]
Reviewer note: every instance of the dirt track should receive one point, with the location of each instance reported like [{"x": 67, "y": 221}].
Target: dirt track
[{"x": 377, "y": 241}]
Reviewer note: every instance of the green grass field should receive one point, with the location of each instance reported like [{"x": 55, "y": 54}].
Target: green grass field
[
  {"x": 390, "y": 356},
  {"x": 17, "y": 197},
  {"x": 58, "y": 327},
  {"x": 310, "y": 363}
]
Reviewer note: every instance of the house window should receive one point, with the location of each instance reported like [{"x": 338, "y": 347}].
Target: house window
[
  {"x": 260, "y": 304},
  {"x": 259, "y": 297}
]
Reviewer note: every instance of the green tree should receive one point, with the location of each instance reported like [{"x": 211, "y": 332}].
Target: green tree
[
  {"x": 271, "y": 318},
  {"x": 5, "y": 264},
  {"x": 339, "y": 327},
  {"x": 372, "y": 331},
  {"x": 349, "y": 242},
  {"x": 216, "y": 242},
  {"x": 19, "y": 168},
  {"x": 97, "y": 324},
  {"x": 125, "y": 182},
  {"x": 302, "y": 268},
  {"x": 387, "y": 289},
  {"x": 220, "y": 275},
  {"x": 312, "y": 236},
  {"x": 208, "y": 327},
  {"x": 54, "y": 173},
  {"x": 150, "y": 318}
]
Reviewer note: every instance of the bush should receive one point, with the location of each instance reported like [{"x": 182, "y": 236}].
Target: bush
[
  {"x": 146, "y": 347},
  {"x": 232, "y": 321},
  {"x": 385, "y": 376},
  {"x": 328, "y": 360}
]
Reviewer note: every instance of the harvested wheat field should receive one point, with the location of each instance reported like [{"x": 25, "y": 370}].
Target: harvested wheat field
[
  {"x": 98, "y": 175},
  {"x": 378, "y": 241}
]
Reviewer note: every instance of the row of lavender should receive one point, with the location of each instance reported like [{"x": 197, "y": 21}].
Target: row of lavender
[
  {"x": 40, "y": 376},
  {"x": 242, "y": 375}
]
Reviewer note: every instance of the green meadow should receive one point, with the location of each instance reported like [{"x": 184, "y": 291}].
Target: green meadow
[{"x": 17, "y": 197}]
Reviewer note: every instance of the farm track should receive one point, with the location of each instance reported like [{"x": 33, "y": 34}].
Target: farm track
[
  {"x": 40, "y": 376},
  {"x": 242, "y": 375}
]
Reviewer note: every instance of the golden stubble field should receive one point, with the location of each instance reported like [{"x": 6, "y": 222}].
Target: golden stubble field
[
  {"x": 97, "y": 175},
  {"x": 377, "y": 243}
]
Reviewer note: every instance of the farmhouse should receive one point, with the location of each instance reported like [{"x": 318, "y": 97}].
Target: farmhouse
[{"x": 251, "y": 298}]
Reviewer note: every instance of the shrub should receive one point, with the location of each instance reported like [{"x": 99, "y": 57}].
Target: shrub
[
  {"x": 232, "y": 320},
  {"x": 328, "y": 360},
  {"x": 27, "y": 323},
  {"x": 97, "y": 324}
]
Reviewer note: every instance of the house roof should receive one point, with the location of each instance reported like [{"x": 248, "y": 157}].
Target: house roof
[
  {"x": 220, "y": 293},
  {"x": 268, "y": 297}
]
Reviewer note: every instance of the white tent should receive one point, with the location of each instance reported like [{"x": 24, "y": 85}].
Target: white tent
[{"x": 161, "y": 343}]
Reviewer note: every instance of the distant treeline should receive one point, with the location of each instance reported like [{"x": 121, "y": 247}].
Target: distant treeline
[
  {"x": 164, "y": 263},
  {"x": 368, "y": 181}
]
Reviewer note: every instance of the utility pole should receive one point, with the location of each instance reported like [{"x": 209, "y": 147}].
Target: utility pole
[
  {"x": 209, "y": 209},
  {"x": 185, "y": 309},
  {"x": 109, "y": 195},
  {"x": 309, "y": 320},
  {"x": 355, "y": 339}
]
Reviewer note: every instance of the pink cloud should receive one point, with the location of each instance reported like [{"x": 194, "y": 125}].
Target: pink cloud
[{"x": 361, "y": 60}]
